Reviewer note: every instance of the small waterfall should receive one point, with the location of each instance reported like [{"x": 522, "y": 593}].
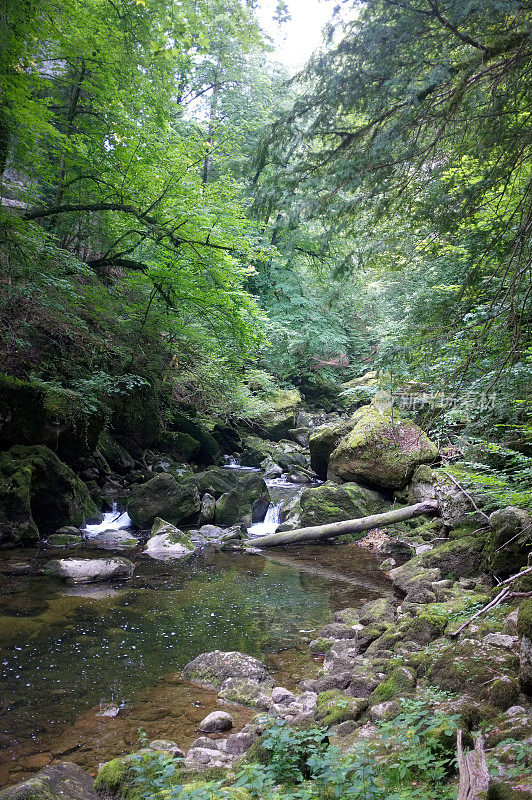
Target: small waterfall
[
  {"x": 271, "y": 521},
  {"x": 230, "y": 462},
  {"x": 113, "y": 520}
]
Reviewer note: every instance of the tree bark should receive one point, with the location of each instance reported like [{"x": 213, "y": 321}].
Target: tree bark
[
  {"x": 474, "y": 777},
  {"x": 334, "y": 529}
]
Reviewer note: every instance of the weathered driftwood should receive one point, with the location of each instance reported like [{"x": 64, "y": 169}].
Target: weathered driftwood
[
  {"x": 334, "y": 529},
  {"x": 474, "y": 777}
]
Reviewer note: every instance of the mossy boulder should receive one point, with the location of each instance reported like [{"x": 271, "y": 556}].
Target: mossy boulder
[
  {"x": 33, "y": 413},
  {"x": 334, "y": 707},
  {"x": 215, "y": 667},
  {"x": 209, "y": 451},
  {"x": 115, "y": 455},
  {"x": 215, "y": 481},
  {"x": 39, "y": 494},
  {"x": 167, "y": 541},
  {"x": 247, "y": 502},
  {"x": 510, "y": 540},
  {"x": 381, "y": 610},
  {"x": 64, "y": 540},
  {"x": 277, "y": 416},
  {"x": 118, "y": 777},
  {"x": 323, "y": 442},
  {"x": 180, "y": 446},
  {"x": 164, "y": 497},
  {"x": 458, "y": 558},
  {"x": 288, "y": 455},
  {"x": 333, "y": 503},
  {"x": 400, "y": 682},
  {"x": 524, "y": 627},
  {"x": 381, "y": 450},
  {"x": 63, "y": 781},
  {"x": 470, "y": 666}
]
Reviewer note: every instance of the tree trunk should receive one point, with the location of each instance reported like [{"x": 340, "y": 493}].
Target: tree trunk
[
  {"x": 473, "y": 770},
  {"x": 341, "y": 528}
]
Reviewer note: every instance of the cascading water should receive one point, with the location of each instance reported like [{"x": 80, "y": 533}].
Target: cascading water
[
  {"x": 270, "y": 523},
  {"x": 113, "y": 520}
]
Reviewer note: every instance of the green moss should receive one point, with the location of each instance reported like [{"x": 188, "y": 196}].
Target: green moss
[
  {"x": 112, "y": 776},
  {"x": 501, "y": 791},
  {"x": 524, "y": 619},
  {"x": 321, "y": 645},
  {"x": 332, "y": 503},
  {"x": 334, "y": 707},
  {"x": 64, "y": 540},
  {"x": 399, "y": 682}
]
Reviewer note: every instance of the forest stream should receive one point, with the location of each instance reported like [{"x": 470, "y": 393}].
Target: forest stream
[{"x": 86, "y": 668}]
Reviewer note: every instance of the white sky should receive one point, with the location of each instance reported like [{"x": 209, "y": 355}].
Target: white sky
[{"x": 297, "y": 39}]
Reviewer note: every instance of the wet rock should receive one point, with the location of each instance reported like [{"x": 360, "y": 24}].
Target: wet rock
[
  {"x": 63, "y": 781},
  {"x": 38, "y": 495},
  {"x": 249, "y": 498},
  {"x": 208, "y": 505},
  {"x": 247, "y": 692},
  {"x": 89, "y": 570},
  {"x": 64, "y": 540},
  {"x": 108, "y": 710},
  {"x": 338, "y": 630},
  {"x": 166, "y": 746},
  {"x": 271, "y": 469},
  {"x": 380, "y": 450},
  {"x": 380, "y": 610},
  {"x": 167, "y": 541},
  {"x": 112, "y": 540},
  {"x": 215, "y": 667},
  {"x": 163, "y": 497},
  {"x": 216, "y": 722},
  {"x": 349, "y": 616}
]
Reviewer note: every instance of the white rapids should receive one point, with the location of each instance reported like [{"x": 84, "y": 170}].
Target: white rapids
[{"x": 113, "y": 520}]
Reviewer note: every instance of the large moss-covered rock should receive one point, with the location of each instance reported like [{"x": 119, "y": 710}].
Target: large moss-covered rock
[
  {"x": 287, "y": 454},
  {"x": 34, "y": 413},
  {"x": 459, "y": 558},
  {"x": 247, "y": 502},
  {"x": 208, "y": 451},
  {"x": 277, "y": 416},
  {"x": 215, "y": 481},
  {"x": 39, "y": 494},
  {"x": 510, "y": 540},
  {"x": 63, "y": 781},
  {"x": 116, "y": 456},
  {"x": 180, "y": 446},
  {"x": 214, "y": 668},
  {"x": 323, "y": 442},
  {"x": 163, "y": 497},
  {"x": 167, "y": 541},
  {"x": 333, "y": 503},
  {"x": 381, "y": 450},
  {"x": 524, "y": 627}
]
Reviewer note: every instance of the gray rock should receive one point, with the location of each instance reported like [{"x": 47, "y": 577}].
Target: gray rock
[
  {"x": 208, "y": 505},
  {"x": 63, "y": 781},
  {"x": 89, "y": 570},
  {"x": 166, "y": 746},
  {"x": 247, "y": 692},
  {"x": 338, "y": 630},
  {"x": 349, "y": 616},
  {"x": 239, "y": 743},
  {"x": 501, "y": 640},
  {"x": 112, "y": 540},
  {"x": 201, "y": 758},
  {"x": 215, "y": 667},
  {"x": 420, "y": 594},
  {"x": 510, "y": 623},
  {"x": 167, "y": 541},
  {"x": 380, "y": 610},
  {"x": 205, "y": 743},
  {"x": 384, "y": 711},
  {"x": 282, "y": 696},
  {"x": 216, "y": 722}
]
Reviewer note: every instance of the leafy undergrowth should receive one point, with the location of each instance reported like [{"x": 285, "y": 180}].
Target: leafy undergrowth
[{"x": 409, "y": 757}]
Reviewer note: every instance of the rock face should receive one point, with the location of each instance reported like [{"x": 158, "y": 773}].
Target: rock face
[
  {"x": 381, "y": 451},
  {"x": 33, "y": 414},
  {"x": 63, "y": 781},
  {"x": 333, "y": 503},
  {"x": 163, "y": 497},
  {"x": 167, "y": 541},
  {"x": 216, "y": 722},
  {"x": 207, "y": 451},
  {"x": 39, "y": 494},
  {"x": 89, "y": 570},
  {"x": 217, "y": 666},
  {"x": 247, "y": 502},
  {"x": 510, "y": 540}
]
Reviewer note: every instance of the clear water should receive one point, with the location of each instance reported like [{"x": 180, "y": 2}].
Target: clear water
[{"x": 65, "y": 651}]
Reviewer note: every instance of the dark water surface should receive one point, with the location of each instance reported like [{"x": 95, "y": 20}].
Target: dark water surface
[{"x": 67, "y": 651}]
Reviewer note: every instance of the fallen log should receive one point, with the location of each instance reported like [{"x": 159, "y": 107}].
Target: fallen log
[
  {"x": 473, "y": 770},
  {"x": 335, "y": 529}
]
